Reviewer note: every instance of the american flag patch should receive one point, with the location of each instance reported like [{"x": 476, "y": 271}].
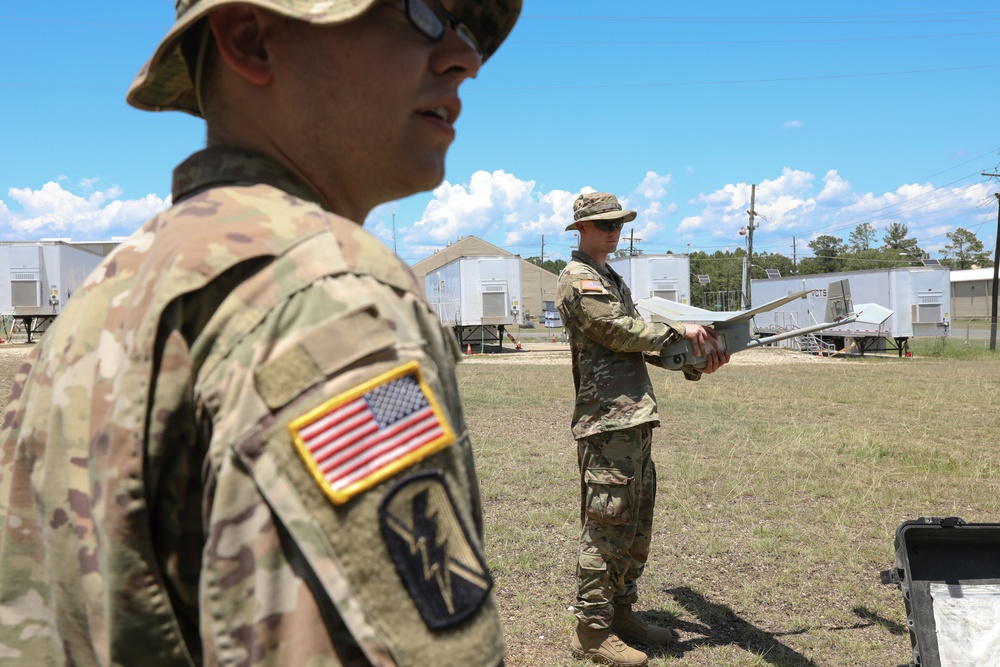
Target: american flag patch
[
  {"x": 591, "y": 286},
  {"x": 359, "y": 438}
]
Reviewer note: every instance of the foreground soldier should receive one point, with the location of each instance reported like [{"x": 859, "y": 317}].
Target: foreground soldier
[
  {"x": 613, "y": 423},
  {"x": 242, "y": 441}
]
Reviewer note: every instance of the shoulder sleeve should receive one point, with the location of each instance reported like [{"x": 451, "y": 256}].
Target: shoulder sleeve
[
  {"x": 342, "y": 507},
  {"x": 589, "y": 306}
]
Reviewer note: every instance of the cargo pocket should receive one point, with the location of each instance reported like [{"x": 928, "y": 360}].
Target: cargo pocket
[{"x": 609, "y": 496}]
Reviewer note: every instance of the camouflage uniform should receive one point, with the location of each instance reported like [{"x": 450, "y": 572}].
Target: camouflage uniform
[
  {"x": 612, "y": 422},
  {"x": 165, "y": 487}
]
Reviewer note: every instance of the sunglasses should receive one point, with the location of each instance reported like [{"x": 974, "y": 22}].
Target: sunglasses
[
  {"x": 609, "y": 225},
  {"x": 430, "y": 18}
]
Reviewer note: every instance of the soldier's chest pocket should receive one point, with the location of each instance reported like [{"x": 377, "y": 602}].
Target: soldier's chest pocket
[{"x": 610, "y": 495}]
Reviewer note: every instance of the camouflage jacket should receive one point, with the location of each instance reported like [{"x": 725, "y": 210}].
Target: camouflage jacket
[
  {"x": 241, "y": 443},
  {"x": 608, "y": 337}
]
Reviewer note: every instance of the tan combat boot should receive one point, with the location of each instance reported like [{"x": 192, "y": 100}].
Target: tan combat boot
[
  {"x": 605, "y": 647},
  {"x": 631, "y": 628}
]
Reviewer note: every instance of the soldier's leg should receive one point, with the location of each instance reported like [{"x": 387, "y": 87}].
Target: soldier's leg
[
  {"x": 626, "y": 624},
  {"x": 608, "y": 463},
  {"x": 645, "y": 501}
]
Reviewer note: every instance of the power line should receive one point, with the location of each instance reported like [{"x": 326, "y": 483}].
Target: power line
[
  {"x": 720, "y": 82},
  {"x": 781, "y": 20},
  {"x": 620, "y": 43}
]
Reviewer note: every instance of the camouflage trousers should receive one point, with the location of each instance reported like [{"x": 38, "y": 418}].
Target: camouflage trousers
[{"x": 618, "y": 492}]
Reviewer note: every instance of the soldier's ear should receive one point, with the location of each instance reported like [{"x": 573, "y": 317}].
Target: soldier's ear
[{"x": 242, "y": 34}]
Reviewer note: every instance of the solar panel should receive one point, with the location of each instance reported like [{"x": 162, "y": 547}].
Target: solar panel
[
  {"x": 704, "y": 279},
  {"x": 930, "y": 262},
  {"x": 773, "y": 273}
]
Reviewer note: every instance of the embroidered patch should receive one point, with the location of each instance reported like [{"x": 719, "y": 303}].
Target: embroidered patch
[
  {"x": 444, "y": 573},
  {"x": 359, "y": 438},
  {"x": 591, "y": 286}
]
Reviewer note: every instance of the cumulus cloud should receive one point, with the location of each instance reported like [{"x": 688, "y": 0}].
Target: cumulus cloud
[
  {"x": 53, "y": 210},
  {"x": 510, "y": 211},
  {"x": 490, "y": 202},
  {"x": 514, "y": 213},
  {"x": 789, "y": 205}
]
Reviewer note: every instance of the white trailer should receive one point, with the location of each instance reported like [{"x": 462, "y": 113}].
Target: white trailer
[
  {"x": 919, "y": 298},
  {"x": 665, "y": 276},
  {"x": 41, "y": 276},
  {"x": 478, "y": 297}
]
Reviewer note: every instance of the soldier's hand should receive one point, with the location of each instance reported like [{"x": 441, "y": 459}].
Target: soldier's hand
[
  {"x": 715, "y": 360},
  {"x": 703, "y": 339}
]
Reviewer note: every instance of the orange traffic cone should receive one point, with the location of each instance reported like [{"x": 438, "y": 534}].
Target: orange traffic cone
[{"x": 468, "y": 348}]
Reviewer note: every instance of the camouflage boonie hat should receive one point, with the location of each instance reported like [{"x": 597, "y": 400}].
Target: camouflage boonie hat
[
  {"x": 598, "y": 206},
  {"x": 164, "y": 83}
]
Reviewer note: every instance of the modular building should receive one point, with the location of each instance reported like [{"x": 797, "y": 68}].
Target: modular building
[
  {"x": 972, "y": 294},
  {"x": 919, "y": 298},
  {"x": 665, "y": 276},
  {"x": 477, "y": 296},
  {"x": 41, "y": 277}
]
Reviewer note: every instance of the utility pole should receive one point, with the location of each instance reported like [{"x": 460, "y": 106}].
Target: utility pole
[
  {"x": 996, "y": 275},
  {"x": 749, "y": 260},
  {"x": 631, "y": 243},
  {"x": 541, "y": 280},
  {"x": 795, "y": 265}
]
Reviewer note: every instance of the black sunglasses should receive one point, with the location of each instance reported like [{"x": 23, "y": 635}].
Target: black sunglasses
[
  {"x": 609, "y": 225},
  {"x": 430, "y": 17}
]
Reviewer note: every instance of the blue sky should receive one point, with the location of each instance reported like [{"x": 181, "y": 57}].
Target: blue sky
[{"x": 840, "y": 113}]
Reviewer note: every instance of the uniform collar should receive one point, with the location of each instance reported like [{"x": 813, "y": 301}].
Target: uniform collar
[
  {"x": 605, "y": 270},
  {"x": 224, "y": 165}
]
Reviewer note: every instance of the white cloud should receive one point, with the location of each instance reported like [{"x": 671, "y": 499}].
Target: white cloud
[
  {"x": 788, "y": 204},
  {"x": 792, "y": 124},
  {"x": 510, "y": 211},
  {"x": 515, "y": 213},
  {"x": 490, "y": 202},
  {"x": 54, "y": 211}
]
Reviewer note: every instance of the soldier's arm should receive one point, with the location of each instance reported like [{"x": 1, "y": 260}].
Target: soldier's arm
[
  {"x": 318, "y": 547},
  {"x": 600, "y": 316}
]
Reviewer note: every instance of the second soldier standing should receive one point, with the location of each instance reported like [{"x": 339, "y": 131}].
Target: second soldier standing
[{"x": 612, "y": 423}]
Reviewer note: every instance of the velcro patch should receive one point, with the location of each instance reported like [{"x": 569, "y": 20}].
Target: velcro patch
[
  {"x": 591, "y": 286},
  {"x": 442, "y": 570},
  {"x": 377, "y": 429}
]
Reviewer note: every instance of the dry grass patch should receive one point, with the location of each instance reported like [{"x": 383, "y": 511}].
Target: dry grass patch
[{"x": 781, "y": 481}]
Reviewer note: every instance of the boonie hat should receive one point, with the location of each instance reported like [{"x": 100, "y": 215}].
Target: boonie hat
[
  {"x": 164, "y": 84},
  {"x": 598, "y": 206}
]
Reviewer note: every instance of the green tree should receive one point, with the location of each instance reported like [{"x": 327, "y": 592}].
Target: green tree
[
  {"x": 550, "y": 265},
  {"x": 897, "y": 239},
  {"x": 773, "y": 260},
  {"x": 965, "y": 251},
  {"x": 724, "y": 269},
  {"x": 862, "y": 237},
  {"x": 828, "y": 255},
  {"x": 554, "y": 265}
]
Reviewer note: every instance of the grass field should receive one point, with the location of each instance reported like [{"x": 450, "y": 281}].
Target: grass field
[{"x": 782, "y": 479}]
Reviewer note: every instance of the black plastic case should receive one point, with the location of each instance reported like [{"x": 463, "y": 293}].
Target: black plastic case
[{"x": 933, "y": 550}]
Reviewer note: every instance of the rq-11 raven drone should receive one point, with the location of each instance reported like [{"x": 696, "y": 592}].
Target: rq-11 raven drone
[{"x": 734, "y": 327}]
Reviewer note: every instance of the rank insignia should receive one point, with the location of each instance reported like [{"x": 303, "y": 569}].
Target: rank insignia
[
  {"x": 441, "y": 568},
  {"x": 363, "y": 436}
]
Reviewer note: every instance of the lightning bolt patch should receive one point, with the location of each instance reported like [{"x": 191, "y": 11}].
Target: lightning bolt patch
[{"x": 442, "y": 568}]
